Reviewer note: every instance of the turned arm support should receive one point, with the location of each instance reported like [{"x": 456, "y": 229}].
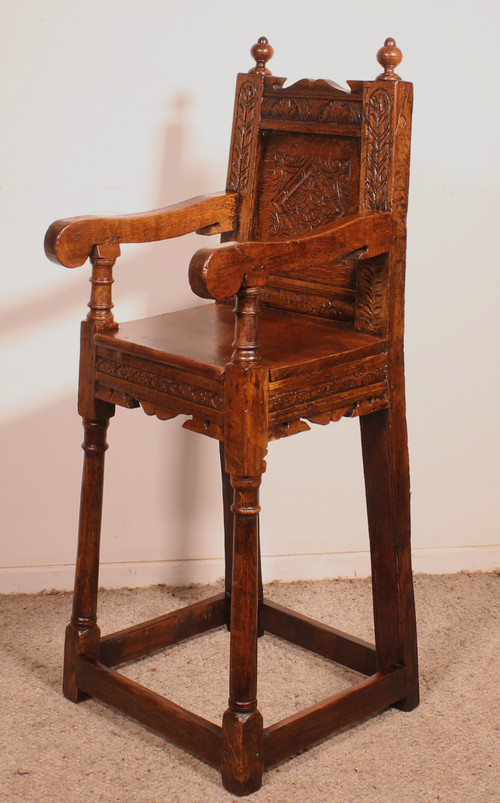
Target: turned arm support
[
  {"x": 222, "y": 271},
  {"x": 70, "y": 242}
]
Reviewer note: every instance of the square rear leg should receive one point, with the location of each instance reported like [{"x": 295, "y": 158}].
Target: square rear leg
[{"x": 387, "y": 482}]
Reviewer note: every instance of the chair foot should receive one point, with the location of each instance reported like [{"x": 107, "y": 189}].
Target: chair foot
[
  {"x": 242, "y": 754},
  {"x": 78, "y": 643},
  {"x": 412, "y": 698}
]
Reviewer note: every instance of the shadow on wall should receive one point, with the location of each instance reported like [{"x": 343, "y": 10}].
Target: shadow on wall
[{"x": 154, "y": 480}]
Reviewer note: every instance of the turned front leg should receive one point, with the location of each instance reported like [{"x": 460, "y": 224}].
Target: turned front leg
[
  {"x": 245, "y": 436},
  {"x": 242, "y": 722},
  {"x": 227, "y": 498},
  {"x": 82, "y": 634}
]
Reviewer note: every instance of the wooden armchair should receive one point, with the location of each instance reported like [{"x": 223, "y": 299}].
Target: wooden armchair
[{"x": 312, "y": 259}]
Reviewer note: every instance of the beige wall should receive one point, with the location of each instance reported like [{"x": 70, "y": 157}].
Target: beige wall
[{"x": 114, "y": 106}]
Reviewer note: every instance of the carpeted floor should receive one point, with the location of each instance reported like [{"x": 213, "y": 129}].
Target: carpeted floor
[{"x": 448, "y": 749}]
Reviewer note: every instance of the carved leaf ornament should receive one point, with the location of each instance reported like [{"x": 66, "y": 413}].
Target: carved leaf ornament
[
  {"x": 378, "y": 151},
  {"x": 242, "y": 146},
  {"x": 371, "y": 311}
]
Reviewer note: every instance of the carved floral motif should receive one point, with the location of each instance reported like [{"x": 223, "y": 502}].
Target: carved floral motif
[
  {"x": 378, "y": 151},
  {"x": 243, "y": 136},
  {"x": 307, "y": 110},
  {"x": 171, "y": 387},
  {"x": 308, "y": 192},
  {"x": 358, "y": 379}
]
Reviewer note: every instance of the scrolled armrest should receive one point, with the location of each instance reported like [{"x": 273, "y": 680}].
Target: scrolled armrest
[
  {"x": 69, "y": 242},
  {"x": 221, "y": 271}
]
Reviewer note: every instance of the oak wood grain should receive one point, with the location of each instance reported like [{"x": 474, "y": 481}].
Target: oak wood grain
[
  {"x": 220, "y": 272},
  {"x": 69, "y": 242},
  {"x": 333, "y": 714},
  {"x": 192, "y": 732},
  {"x": 317, "y": 637},
  {"x": 162, "y": 631}
]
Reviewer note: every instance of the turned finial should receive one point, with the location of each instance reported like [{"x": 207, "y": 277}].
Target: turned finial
[
  {"x": 389, "y": 56},
  {"x": 261, "y": 52}
]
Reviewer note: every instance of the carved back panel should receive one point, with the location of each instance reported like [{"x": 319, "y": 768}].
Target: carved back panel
[
  {"x": 306, "y": 155},
  {"x": 305, "y": 181}
]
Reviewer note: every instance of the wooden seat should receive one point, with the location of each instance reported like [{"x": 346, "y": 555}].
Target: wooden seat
[{"x": 307, "y": 327}]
